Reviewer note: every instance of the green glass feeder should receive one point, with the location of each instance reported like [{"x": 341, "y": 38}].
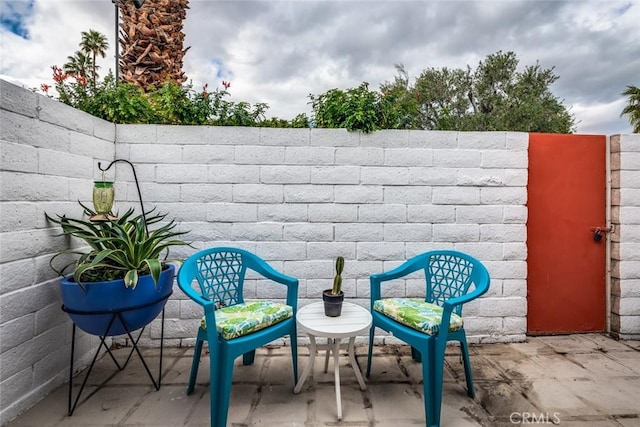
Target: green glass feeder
[{"x": 103, "y": 197}]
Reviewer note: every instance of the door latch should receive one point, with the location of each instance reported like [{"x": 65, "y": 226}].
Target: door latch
[{"x": 598, "y": 232}]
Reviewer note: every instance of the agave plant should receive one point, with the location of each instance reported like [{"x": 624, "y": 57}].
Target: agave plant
[{"x": 120, "y": 248}]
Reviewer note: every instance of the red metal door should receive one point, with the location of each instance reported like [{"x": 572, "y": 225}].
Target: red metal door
[{"x": 566, "y": 266}]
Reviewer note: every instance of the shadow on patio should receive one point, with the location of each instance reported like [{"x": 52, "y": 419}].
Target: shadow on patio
[{"x": 574, "y": 380}]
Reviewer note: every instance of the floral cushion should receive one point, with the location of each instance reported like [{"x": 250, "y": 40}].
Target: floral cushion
[
  {"x": 242, "y": 319},
  {"x": 416, "y": 313}
]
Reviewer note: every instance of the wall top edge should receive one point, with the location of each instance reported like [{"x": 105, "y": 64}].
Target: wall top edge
[{"x": 21, "y": 100}]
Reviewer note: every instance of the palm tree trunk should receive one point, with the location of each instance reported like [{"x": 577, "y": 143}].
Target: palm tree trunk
[
  {"x": 93, "y": 68},
  {"x": 152, "y": 42}
]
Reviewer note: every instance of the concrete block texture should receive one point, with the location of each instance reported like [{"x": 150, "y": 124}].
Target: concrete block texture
[
  {"x": 64, "y": 116},
  {"x": 17, "y": 99},
  {"x": 625, "y": 173},
  {"x": 49, "y": 157},
  {"x": 18, "y": 157}
]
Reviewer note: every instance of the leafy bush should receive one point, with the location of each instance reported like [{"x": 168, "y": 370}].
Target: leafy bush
[
  {"x": 171, "y": 103},
  {"x": 494, "y": 96},
  {"x": 353, "y": 109}
]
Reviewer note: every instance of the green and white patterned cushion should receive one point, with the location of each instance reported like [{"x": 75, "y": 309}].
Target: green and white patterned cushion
[
  {"x": 417, "y": 314},
  {"x": 242, "y": 319}
]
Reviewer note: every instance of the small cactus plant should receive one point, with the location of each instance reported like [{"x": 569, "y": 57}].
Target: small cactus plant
[{"x": 337, "y": 280}]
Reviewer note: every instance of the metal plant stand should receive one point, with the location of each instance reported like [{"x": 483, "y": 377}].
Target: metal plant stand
[{"x": 115, "y": 314}]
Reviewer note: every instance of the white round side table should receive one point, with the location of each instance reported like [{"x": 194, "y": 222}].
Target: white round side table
[{"x": 353, "y": 321}]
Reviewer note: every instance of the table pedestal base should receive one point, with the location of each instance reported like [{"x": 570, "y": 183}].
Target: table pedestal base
[{"x": 333, "y": 346}]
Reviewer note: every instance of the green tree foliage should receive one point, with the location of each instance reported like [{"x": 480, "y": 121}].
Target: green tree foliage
[
  {"x": 122, "y": 103},
  {"x": 354, "y": 109},
  {"x": 505, "y": 99},
  {"x": 96, "y": 44},
  {"x": 399, "y": 106},
  {"x": 493, "y": 97},
  {"x": 299, "y": 121},
  {"x": 177, "y": 104},
  {"x": 632, "y": 110},
  {"x": 171, "y": 103},
  {"x": 83, "y": 62},
  {"x": 443, "y": 98},
  {"x": 79, "y": 64}
]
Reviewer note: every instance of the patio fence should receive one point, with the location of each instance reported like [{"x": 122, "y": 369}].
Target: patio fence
[{"x": 296, "y": 197}]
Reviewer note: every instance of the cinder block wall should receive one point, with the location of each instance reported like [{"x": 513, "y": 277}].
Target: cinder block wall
[
  {"x": 297, "y": 197},
  {"x": 301, "y": 197},
  {"x": 49, "y": 153},
  {"x": 625, "y": 245}
]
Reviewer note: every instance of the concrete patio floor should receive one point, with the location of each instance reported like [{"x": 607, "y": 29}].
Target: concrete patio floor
[{"x": 573, "y": 380}]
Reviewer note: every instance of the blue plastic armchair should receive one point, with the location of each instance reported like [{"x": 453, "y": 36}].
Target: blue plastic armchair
[
  {"x": 451, "y": 279},
  {"x": 214, "y": 278}
]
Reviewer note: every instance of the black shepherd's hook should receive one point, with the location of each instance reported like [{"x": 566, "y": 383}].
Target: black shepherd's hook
[{"x": 135, "y": 177}]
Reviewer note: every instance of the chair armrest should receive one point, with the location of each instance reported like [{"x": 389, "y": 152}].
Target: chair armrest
[
  {"x": 291, "y": 283},
  {"x": 481, "y": 288},
  {"x": 270, "y": 273},
  {"x": 406, "y": 268},
  {"x": 193, "y": 294},
  {"x": 207, "y": 304},
  {"x": 451, "y": 303}
]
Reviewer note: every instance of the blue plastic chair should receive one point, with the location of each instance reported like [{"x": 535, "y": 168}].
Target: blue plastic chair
[
  {"x": 451, "y": 279},
  {"x": 214, "y": 278}
]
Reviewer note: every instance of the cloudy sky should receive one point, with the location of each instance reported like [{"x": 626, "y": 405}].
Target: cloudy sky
[{"x": 279, "y": 52}]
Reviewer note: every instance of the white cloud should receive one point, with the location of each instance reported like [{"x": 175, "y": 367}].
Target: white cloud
[
  {"x": 601, "y": 118},
  {"x": 279, "y": 52}
]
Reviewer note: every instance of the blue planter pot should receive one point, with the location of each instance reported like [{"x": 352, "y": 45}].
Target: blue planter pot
[{"x": 92, "y": 309}]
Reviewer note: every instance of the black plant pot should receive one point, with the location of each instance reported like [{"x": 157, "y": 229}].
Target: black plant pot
[{"x": 332, "y": 303}]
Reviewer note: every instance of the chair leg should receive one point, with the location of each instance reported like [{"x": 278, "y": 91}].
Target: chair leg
[
  {"x": 248, "y": 357},
  {"x": 195, "y": 364},
  {"x": 439, "y": 347},
  {"x": 370, "y": 351},
  {"x": 415, "y": 355},
  {"x": 464, "y": 349},
  {"x": 432, "y": 373},
  {"x": 224, "y": 390},
  {"x": 428, "y": 381},
  {"x": 294, "y": 356},
  {"x": 214, "y": 388}
]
